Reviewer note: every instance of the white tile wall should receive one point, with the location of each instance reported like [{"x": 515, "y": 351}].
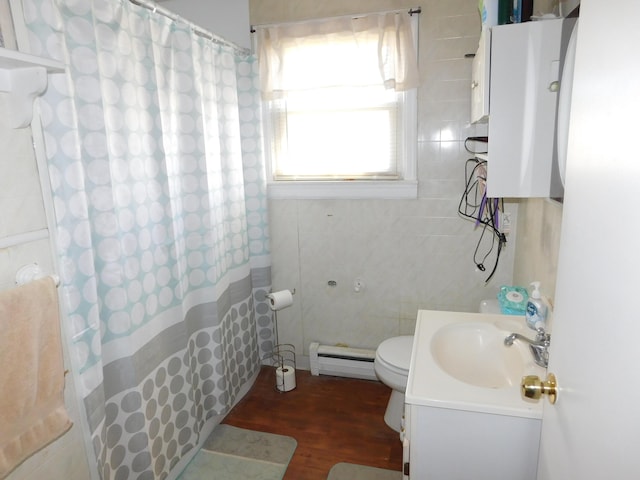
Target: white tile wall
[
  {"x": 410, "y": 254},
  {"x": 21, "y": 211},
  {"x": 20, "y": 191},
  {"x": 539, "y": 224}
]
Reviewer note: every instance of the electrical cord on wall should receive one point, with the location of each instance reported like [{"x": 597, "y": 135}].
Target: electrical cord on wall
[
  {"x": 475, "y": 139},
  {"x": 485, "y": 212}
]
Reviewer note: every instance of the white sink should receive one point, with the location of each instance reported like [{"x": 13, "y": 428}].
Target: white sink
[
  {"x": 463, "y": 398},
  {"x": 459, "y": 361},
  {"x": 475, "y": 353}
]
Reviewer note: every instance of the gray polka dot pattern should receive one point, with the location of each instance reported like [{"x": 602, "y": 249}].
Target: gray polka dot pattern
[
  {"x": 264, "y": 323},
  {"x": 145, "y": 433},
  {"x": 146, "y": 429}
]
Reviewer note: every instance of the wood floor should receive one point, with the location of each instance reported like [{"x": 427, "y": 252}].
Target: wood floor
[{"x": 333, "y": 419}]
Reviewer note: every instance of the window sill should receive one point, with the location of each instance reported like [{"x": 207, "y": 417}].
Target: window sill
[{"x": 406, "y": 189}]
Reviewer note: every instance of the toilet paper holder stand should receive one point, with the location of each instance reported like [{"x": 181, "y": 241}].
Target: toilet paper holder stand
[{"x": 283, "y": 357}]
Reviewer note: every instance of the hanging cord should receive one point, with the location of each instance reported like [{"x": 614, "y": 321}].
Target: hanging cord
[
  {"x": 477, "y": 207},
  {"x": 493, "y": 226}
]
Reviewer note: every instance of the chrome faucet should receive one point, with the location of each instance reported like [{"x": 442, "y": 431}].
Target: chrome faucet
[{"x": 539, "y": 347}]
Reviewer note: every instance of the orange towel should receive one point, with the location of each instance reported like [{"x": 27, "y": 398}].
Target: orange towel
[{"x": 32, "y": 411}]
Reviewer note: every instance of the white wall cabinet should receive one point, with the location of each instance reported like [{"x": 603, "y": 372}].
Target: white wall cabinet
[
  {"x": 480, "y": 71},
  {"x": 525, "y": 69}
]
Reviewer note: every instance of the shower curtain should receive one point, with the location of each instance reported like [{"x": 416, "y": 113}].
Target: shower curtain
[{"x": 152, "y": 139}]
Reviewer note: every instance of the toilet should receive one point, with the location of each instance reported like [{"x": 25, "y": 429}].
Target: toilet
[{"x": 391, "y": 365}]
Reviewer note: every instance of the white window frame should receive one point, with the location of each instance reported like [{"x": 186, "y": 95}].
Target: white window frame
[{"x": 404, "y": 188}]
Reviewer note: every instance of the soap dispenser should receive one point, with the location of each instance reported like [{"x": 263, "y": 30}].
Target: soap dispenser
[{"x": 536, "y": 311}]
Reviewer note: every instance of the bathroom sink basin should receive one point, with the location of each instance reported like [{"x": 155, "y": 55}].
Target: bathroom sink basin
[
  {"x": 475, "y": 353},
  {"x": 459, "y": 361}
]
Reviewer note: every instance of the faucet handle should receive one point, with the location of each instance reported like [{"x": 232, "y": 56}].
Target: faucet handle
[{"x": 542, "y": 333}]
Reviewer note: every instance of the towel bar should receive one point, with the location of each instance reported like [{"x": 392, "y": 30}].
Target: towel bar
[{"x": 21, "y": 238}]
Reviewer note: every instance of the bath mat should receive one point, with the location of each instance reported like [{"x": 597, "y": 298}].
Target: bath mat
[
  {"x": 232, "y": 453},
  {"x": 350, "y": 471}
]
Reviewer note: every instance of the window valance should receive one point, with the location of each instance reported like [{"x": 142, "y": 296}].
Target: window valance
[{"x": 348, "y": 52}]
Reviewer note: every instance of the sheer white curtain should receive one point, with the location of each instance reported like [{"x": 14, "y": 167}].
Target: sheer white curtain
[{"x": 382, "y": 41}]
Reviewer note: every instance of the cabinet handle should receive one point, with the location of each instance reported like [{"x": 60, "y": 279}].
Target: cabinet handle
[{"x": 474, "y": 84}]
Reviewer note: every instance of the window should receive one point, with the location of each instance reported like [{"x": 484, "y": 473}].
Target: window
[{"x": 340, "y": 116}]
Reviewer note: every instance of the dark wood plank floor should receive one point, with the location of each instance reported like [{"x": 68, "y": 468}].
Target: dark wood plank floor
[{"x": 333, "y": 419}]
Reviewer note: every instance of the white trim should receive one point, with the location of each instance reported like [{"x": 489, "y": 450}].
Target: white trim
[
  {"x": 407, "y": 188},
  {"x": 410, "y": 121},
  {"x": 410, "y": 132},
  {"x": 20, "y": 238},
  {"x": 390, "y": 189}
]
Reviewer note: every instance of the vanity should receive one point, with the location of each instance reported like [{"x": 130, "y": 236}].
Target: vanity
[{"x": 465, "y": 417}]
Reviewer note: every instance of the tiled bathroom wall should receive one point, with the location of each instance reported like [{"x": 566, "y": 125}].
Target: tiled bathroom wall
[
  {"x": 22, "y": 211},
  {"x": 539, "y": 224},
  {"x": 21, "y": 205},
  {"x": 410, "y": 254}
]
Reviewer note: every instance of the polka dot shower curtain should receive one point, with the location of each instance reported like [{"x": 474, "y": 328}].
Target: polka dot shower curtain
[{"x": 153, "y": 147}]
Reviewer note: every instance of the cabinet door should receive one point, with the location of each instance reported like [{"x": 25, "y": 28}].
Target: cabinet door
[
  {"x": 525, "y": 63},
  {"x": 480, "y": 72}
]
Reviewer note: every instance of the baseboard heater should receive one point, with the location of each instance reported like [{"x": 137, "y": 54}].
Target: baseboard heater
[{"x": 342, "y": 361}]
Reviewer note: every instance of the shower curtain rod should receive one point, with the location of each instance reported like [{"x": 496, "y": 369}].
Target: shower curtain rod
[
  {"x": 155, "y": 8},
  {"x": 411, "y": 12}
]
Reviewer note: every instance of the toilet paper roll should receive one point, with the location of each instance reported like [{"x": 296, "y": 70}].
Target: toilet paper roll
[
  {"x": 280, "y": 300},
  {"x": 285, "y": 378}
]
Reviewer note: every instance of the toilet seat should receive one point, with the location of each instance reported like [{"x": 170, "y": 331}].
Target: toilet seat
[{"x": 394, "y": 354}]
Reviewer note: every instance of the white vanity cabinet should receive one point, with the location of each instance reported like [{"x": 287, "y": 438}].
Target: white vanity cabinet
[
  {"x": 450, "y": 443},
  {"x": 525, "y": 62},
  {"x": 458, "y": 430}
]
